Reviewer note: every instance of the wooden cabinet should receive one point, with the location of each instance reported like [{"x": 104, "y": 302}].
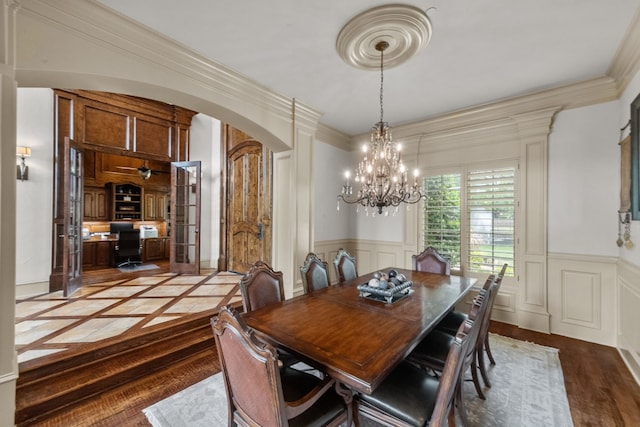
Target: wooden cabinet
[
  {"x": 155, "y": 206},
  {"x": 96, "y": 204},
  {"x": 154, "y": 248},
  {"x": 97, "y": 255},
  {"x": 127, "y": 202}
]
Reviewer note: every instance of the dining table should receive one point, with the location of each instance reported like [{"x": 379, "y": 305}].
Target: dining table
[{"x": 354, "y": 338}]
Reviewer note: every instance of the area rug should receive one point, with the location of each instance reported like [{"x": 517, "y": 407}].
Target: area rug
[
  {"x": 136, "y": 268},
  {"x": 528, "y": 390}
]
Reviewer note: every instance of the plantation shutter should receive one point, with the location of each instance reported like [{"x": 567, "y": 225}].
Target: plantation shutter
[
  {"x": 442, "y": 216},
  {"x": 491, "y": 216}
]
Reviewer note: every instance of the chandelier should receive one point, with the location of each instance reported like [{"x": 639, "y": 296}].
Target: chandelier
[{"x": 381, "y": 175}]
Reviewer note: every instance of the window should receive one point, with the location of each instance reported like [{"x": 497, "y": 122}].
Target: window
[
  {"x": 471, "y": 221},
  {"x": 442, "y": 216}
]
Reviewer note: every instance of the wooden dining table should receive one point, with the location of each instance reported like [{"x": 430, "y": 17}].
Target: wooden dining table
[{"x": 356, "y": 340}]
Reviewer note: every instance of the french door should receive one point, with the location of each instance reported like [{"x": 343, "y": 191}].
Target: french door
[
  {"x": 72, "y": 224},
  {"x": 185, "y": 217}
]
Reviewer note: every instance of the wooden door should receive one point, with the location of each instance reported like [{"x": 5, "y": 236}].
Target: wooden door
[
  {"x": 185, "y": 217},
  {"x": 72, "y": 228},
  {"x": 248, "y": 226}
]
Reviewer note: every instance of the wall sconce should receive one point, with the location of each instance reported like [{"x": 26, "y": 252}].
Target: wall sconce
[{"x": 22, "y": 168}]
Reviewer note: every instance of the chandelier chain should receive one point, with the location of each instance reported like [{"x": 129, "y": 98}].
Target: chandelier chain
[{"x": 381, "y": 84}]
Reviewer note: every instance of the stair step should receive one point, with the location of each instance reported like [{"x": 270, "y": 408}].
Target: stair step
[{"x": 42, "y": 390}]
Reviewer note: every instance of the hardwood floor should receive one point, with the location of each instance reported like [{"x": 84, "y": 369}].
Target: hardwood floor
[{"x": 601, "y": 391}]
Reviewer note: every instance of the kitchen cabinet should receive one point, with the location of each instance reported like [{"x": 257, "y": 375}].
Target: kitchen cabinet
[
  {"x": 155, "y": 206},
  {"x": 96, "y": 204}
]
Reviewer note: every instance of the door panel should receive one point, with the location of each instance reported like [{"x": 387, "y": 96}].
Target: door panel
[
  {"x": 185, "y": 217},
  {"x": 72, "y": 228},
  {"x": 249, "y": 213}
]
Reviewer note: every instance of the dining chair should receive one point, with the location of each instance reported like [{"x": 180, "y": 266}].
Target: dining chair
[
  {"x": 315, "y": 273},
  {"x": 345, "y": 266},
  {"x": 431, "y": 352},
  {"x": 411, "y": 397},
  {"x": 431, "y": 261},
  {"x": 453, "y": 320},
  {"x": 261, "y": 286},
  {"x": 259, "y": 392}
]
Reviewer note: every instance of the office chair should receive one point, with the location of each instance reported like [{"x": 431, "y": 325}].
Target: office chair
[{"x": 129, "y": 247}]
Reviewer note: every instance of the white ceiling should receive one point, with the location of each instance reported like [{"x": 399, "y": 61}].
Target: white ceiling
[{"x": 480, "y": 50}]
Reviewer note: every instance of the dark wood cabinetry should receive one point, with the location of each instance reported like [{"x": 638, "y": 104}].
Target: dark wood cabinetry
[
  {"x": 155, "y": 248},
  {"x": 155, "y": 206},
  {"x": 96, "y": 204},
  {"x": 127, "y": 202},
  {"x": 97, "y": 254}
]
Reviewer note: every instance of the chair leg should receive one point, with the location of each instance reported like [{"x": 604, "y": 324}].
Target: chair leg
[
  {"x": 476, "y": 381},
  {"x": 487, "y": 348},
  {"x": 481, "y": 365},
  {"x": 459, "y": 404}
]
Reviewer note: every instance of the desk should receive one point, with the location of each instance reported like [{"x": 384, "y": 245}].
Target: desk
[{"x": 356, "y": 340}]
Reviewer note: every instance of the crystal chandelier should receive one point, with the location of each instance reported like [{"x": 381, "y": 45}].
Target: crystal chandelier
[{"x": 381, "y": 174}]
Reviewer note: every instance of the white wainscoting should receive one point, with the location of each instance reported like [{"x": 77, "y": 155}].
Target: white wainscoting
[
  {"x": 582, "y": 302},
  {"x": 628, "y": 304}
]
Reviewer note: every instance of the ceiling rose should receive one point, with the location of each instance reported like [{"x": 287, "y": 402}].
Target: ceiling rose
[{"x": 406, "y": 29}]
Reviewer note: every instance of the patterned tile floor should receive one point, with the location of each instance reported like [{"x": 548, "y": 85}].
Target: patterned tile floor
[{"x": 51, "y": 324}]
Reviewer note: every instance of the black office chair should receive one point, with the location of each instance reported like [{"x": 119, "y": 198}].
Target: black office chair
[{"x": 128, "y": 246}]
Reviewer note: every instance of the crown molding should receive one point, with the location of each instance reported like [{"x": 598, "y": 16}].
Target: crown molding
[
  {"x": 333, "y": 137},
  {"x": 305, "y": 116},
  {"x": 109, "y": 30},
  {"x": 626, "y": 62}
]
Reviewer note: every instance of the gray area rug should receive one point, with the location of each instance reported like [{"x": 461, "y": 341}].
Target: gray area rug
[
  {"x": 141, "y": 267},
  {"x": 528, "y": 391}
]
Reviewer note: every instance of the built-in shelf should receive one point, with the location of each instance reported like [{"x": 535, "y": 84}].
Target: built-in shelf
[{"x": 127, "y": 202}]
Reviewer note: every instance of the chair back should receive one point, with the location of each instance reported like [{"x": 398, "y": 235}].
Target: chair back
[
  {"x": 261, "y": 286},
  {"x": 450, "y": 377},
  {"x": 431, "y": 261},
  {"x": 315, "y": 273},
  {"x": 345, "y": 266},
  {"x": 486, "y": 321},
  {"x": 129, "y": 242},
  {"x": 478, "y": 314},
  {"x": 251, "y": 373}
]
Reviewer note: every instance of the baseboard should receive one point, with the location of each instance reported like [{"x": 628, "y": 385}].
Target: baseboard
[
  {"x": 538, "y": 322},
  {"x": 26, "y": 290},
  {"x": 631, "y": 362}
]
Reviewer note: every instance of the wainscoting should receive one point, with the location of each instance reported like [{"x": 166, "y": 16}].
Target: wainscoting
[{"x": 628, "y": 308}]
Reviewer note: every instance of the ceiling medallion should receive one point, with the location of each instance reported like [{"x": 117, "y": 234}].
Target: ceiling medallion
[{"x": 406, "y": 29}]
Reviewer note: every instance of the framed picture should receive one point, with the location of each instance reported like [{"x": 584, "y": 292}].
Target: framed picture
[{"x": 635, "y": 158}]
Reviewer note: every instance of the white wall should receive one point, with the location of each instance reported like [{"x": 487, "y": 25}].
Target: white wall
[
  {"x": 329, "y": 165},
  {"x": 584, "y": 178},
  {"x": 33, "y": 197},
  {"x": 205, "y": 146}
]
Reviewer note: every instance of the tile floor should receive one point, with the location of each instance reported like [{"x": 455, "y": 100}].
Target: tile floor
[{"x": 50, "y": 324}]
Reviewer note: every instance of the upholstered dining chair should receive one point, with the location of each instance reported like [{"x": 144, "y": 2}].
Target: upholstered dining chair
[
  {"x": 261, "y": 286},
  {"x": 452, "y": 321},
  {"x": 260, "y": 393},
  {"x": 431, "y": 352},
  {"x": 411, "y": 397},
  {"x": 315, "y": 273},
  {"x": 431, "y": 261},
  {"x": 345, "y": 266}
]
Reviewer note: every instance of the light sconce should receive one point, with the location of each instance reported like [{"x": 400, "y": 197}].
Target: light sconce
[{"x": 22, "y": 168}]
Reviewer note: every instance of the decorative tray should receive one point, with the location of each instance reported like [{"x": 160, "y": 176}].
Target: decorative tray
[{"x": 389, "y": 295}]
